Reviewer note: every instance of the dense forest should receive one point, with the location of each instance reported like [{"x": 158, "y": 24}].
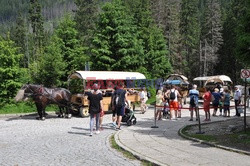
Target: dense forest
[{"x": 43, "y": 41}]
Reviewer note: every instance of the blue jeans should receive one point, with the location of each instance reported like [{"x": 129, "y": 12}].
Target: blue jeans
[{"x": 92, "y": 117}]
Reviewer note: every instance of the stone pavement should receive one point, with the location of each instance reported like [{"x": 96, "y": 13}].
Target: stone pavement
[
  {"x": 163, "y": 145},
  {"x": 56, "y": 141}
]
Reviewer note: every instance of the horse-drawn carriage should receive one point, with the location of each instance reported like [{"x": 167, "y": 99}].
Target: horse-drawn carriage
[
  {"x": 180, "y": 81},
  {"x": 80, "y": 84},
  {"x": 211, "y": 82},
  {"x": 74, "y": 99}
]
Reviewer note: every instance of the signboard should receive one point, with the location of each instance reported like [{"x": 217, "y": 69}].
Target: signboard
[{"x": 245, "y": 73}]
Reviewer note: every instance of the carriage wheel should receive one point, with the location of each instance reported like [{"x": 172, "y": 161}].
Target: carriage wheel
[
  {"x": 129, "y": 122},
  {"x": 74, "y": 112},
  {"x": 84, "y": 112}
]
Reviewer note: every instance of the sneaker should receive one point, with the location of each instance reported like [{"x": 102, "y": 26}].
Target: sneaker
[
  {"x": 91, "y": 134},
  {"x": 114, "y": 124},
  {"x": 97, "y": 132},
  {"x": 118, "y": 128},
  {"x": 190, "y": 119}
]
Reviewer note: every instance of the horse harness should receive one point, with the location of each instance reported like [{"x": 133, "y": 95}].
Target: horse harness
[{"x": 42, "y": 92}]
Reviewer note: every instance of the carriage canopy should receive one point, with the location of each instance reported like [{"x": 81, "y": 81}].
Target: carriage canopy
[
  {"x": 176, "y": 79},
  {"x": 221, "y": 79},
  {"x": 83, "y": 80},
  {"x": 106, "y": 75}
]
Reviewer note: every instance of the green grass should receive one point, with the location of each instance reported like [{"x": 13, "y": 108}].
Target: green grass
[
  {"x": 235, "y": 137},
  {"x": 126, "y": 153},
  {"x": 209, "y": 138},
  {"x": 229, "y": 140},
  {"x": 118, "y": 148},
  {"x": 24, "y": 107}
]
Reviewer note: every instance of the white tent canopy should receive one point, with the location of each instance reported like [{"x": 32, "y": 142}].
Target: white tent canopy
[{"x": 107, "y": 75}]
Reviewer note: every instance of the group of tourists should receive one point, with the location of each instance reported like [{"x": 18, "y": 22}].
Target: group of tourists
[
  {"x": 220, "y": 99},
  {"x": 169, "y": 102},
  {"x": 119, "y": 100}
]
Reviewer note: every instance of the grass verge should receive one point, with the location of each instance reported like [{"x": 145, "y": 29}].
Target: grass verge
[
  {"x": 238, "y": 140},
  {"x": 208, "y": 138},
  {"x": 24, "y": 107},
  {"x": 126, "y": 153}
]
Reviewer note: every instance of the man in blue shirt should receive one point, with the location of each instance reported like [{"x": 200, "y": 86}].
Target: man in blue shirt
[{"x": 194, "y": 96}]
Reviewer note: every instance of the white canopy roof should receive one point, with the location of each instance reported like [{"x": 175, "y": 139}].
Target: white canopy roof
[
  {"x": 107, "y": 75},
  {"x": 218, "y": 77}
]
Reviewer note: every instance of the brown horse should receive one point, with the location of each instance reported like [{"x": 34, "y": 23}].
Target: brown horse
[{"x": 43, "y": 96}]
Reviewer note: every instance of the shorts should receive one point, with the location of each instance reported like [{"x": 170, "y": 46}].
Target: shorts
[
  {"x": 173, "y": 105},
  {"x": 120, "y": 111},
  {"x": 215, "y": 105},
  {"x": 114, "y": 112}
]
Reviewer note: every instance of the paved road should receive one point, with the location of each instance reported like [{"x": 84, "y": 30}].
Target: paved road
[
  {"x": 163, "y": 145},
  {"x": 55, "y": 141}
]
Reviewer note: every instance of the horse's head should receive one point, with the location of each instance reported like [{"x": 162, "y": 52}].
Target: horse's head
[{"x": 27, "y": 90}]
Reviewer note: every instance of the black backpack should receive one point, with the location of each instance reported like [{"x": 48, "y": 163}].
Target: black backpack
[
  {"x": 172, "y": 95},
  {"x": 192, "y": 100},
  {"x": 118, "y": 99}
]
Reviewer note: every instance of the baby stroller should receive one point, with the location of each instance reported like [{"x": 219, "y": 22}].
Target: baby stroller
[{"x": 129, "y": 116}]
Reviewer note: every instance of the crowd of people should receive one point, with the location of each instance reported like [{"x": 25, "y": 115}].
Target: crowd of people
[{"x": 169, "y": 102}]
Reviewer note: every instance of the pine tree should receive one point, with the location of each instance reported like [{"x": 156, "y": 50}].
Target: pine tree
[
  {"x": 211, "y": 39},
  {"x": 85, "y": 18},
  {"x": 228, "y": 63},
  {"x": 10, "y": 72},
  {"x": 19, "y": 36},
  {"x": 243, "y": 37},
  {"x": 51, "y": 59},
  {"x": 190, "y": 35},
  {"x": 115, "y": 40},
  {"x": 36, "y": 21},
  {"x": 155, "y": 50},
  {"x": 72, "y": 51}
]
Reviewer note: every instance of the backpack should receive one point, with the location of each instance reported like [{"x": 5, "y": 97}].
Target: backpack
[
  {"x": 118, "y": 99},
  {"x": 172, "y": 95},
  {"x": 192, "y": 100}
]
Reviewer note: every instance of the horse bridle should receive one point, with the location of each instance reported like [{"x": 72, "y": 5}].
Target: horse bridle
[{"x": 33, "y": 93}]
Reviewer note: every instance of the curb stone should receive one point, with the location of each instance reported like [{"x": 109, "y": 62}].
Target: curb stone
[
  {"x": 135, "y": 154},
  {"x": 180, "y": 132},
  {"x": 22, "y": 114}
]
